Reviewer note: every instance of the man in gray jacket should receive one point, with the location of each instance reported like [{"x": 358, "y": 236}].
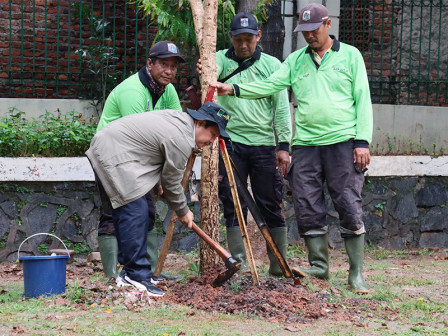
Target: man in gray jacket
[{"x": 132, "y": 155}]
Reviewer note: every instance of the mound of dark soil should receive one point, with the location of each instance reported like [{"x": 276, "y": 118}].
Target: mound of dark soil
[{"x": 277, "y": 300}]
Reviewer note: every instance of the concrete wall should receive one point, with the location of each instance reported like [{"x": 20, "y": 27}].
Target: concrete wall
[
  {"x": 36, "y": 107},
  {"x": 399, "y": 211},
  {"x": 396, "y": 127},
  {"x": 409, "y": 128}
]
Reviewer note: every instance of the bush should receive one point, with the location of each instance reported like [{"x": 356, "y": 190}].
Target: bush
[{"x": 51, "y": 135}]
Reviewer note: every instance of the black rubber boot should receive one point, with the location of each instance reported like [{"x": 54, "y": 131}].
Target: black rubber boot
[
  {"x": 152, "y": 253},
  {"x": 355, "y": 249},
  {"x": 280, "y": 237},
  {"x": 236, "y": 247},
  {"x": 108, "y": 247},
  {"x": 317, "y": 257}
]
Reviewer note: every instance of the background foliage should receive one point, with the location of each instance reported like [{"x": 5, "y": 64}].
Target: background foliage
[
  {"x": 51, "y": 135},
  {"x": 175, "y": 21}
]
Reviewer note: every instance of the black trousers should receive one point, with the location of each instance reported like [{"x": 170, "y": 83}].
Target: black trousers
[
  {"x": 311, "y": 166},
  {"x": 258, "y": 163}
]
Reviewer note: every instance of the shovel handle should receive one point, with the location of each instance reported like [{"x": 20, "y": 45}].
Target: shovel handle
[{"x": 222, "y": 252}]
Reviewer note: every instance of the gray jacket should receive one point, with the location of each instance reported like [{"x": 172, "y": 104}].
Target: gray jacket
[{"x": 134, "y": 153}]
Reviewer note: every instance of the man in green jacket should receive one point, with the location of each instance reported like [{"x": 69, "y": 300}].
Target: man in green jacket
[
  {"x": 135, "y": 154},
  {"x": 148, "y": 90},
  {"x": 252, "y": 144},
  {"x": 331, "y": 142}
]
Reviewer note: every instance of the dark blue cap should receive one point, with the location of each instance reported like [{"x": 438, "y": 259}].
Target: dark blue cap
[
  {"x": 243, "y": 23},
  {"x": 165, "y": 49},
  {"x": 212, "y": 112}
]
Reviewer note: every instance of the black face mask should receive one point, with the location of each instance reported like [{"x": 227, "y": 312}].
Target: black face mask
[{"x": 145, "y": 77}]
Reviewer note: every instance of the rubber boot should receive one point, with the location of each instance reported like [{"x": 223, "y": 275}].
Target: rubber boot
[
  {"x": 355, "y": 249},
  {"x": 317, "y": 257},
  {"x": 280, "y": 237},
  {"x": 236, "y": 247},
  {"x": 108, "y": 247},
  {"x": 152, "y": 253}
]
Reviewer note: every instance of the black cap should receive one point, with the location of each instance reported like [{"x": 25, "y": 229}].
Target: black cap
[
  {"x": 165, "y": 49},
  {"x": 243, "y": 23},
  {"x": 213, "y": 112}
]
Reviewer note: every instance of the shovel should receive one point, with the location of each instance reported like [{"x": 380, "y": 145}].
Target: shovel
[{"x": 231, "y": 264}]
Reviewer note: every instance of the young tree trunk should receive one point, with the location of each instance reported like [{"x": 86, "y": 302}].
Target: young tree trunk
[{"x": 205, "y": 18}]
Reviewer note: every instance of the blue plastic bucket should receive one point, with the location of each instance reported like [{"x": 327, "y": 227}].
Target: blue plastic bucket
[{"x": 44, "y": 275}]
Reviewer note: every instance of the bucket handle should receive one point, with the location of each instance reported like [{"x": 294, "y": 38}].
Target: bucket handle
[{"x": 43, "y": 233}]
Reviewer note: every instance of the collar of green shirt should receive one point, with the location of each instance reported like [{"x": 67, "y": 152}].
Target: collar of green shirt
[
  {"x": 336, "y": 46},
  {"x": 231, "y": 54}
]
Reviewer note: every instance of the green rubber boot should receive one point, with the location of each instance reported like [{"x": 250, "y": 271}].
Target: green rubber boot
[
  {"x": 355, "y": 249},
  {"x": 152, "y": 253},
  {"x": 236, "y": 247},
  {"x": 108, "y": 247},
  {"x": 280, "y": 237},
  {"x": 317, "y": 257}
]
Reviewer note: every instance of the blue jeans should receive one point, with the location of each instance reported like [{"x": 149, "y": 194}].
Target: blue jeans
[
  {"x": 258, "y": 163},
  {"x": 131, "y": 223}
]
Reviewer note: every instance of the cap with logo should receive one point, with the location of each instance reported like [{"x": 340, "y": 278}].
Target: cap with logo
[
  {"x": 243, "y": 23},
  {"x": 165, "y": 49},
  {"x": 212, "y": 112},
  {"x": 311, "y": 17}
]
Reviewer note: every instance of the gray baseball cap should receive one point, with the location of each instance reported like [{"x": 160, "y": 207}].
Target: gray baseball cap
[{"x": 311, "y": 17}]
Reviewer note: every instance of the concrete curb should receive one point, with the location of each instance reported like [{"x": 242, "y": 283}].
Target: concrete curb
[{"x": 79, "y": 169}]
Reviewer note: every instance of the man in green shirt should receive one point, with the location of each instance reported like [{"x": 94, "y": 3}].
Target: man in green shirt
[
  {"x": 148, "y": 90},
  {"x": 331, "y": 142},
  {"x": 252, "y": 144}
]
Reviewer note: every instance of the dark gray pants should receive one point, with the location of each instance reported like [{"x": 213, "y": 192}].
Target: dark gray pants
[{"x": 311, "y": 166}]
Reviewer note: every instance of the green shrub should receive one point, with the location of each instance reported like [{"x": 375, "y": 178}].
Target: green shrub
[{"x": 51, "y": 135}]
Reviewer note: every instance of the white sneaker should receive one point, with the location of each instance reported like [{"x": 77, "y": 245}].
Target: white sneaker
[
  {"x": 145, "y": 286},
  {"x": 120, "y": 280}
]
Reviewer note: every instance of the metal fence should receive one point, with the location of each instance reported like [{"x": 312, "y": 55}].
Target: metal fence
[
  {"x": 403, "y": 48},
  {"x": 82, "y": 49},
  {"x": 71, "y": 49}
]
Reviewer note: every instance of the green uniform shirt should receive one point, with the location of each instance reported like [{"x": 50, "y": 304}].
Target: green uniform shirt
[
  {"x": 333, "y": 101},
  {"x": 131, "y": 96},
  {"x": 252, "y": 120}
]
